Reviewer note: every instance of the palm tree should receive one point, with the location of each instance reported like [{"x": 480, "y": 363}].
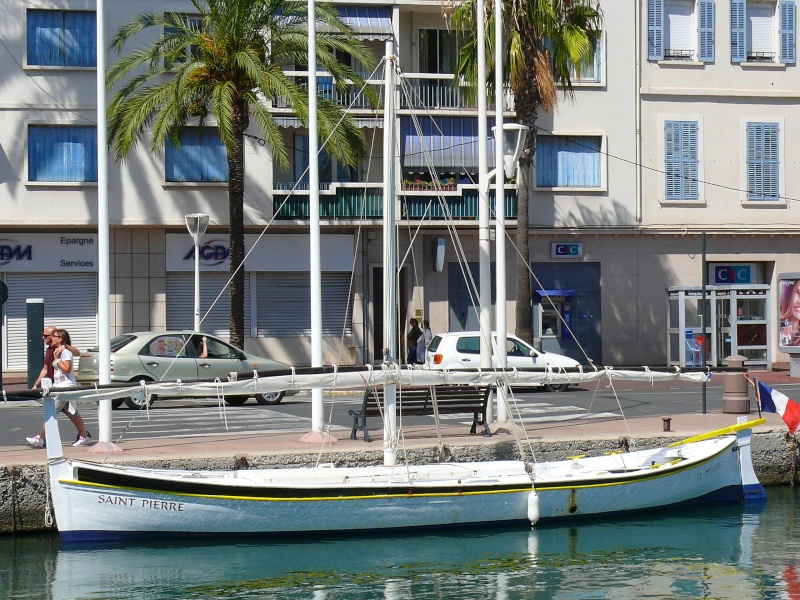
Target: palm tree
[
  {"x": 545, "y": 41},
  {"x": 225, "y": 63}
]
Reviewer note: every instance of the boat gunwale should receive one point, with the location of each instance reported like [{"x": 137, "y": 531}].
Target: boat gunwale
[{"x": 108, "y": 477}]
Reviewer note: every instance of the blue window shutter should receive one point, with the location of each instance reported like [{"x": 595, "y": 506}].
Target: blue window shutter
[
  {"x": 568, "y": 161},
  {"x": 200, "y": 157},
  {"x": 738, "y": 31},
  {"x": 689, "y": 160},
  {"x": 680, "y": 160},
  {"x": 598, "y": 53},
  {"x": 771, "y": 161},
  {"x": 763, "y": 161},
  {"x": 788, "y": 34},
  {"x": 61, "y": 38},
  {"x": 80, "y": 46},
  {"x": 62, "y": 153},
  {"x": 671, "y": 165},
  {"x": 706, "y": 42},
  {"x": 655, "y": 29}
]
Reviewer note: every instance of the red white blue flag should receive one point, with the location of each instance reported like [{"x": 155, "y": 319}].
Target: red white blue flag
[{"x": 776, "y": 402}]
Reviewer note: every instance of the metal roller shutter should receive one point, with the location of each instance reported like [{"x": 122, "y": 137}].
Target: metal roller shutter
[
  {"x": 761, "y": 30},
  {"x": 679, "y": 26},
  {"x": 284, "y": 305},
  {"x": 70, "y": 302},
  {"x": 180, "y": 303}
]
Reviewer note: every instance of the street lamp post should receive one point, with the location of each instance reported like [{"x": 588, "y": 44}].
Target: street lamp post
[
  {"x": 196, "y": 223},
  {"x": 511, "y": 142}
]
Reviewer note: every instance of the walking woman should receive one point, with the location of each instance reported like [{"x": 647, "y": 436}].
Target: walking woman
[{"x": 63, "y": 376}]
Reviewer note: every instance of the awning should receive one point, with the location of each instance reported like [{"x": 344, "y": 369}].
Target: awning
[
  {"x": 446, "y": 143},
  {"x": 290, "y": 121},
  {"x": 539, "y": 294},
  {"x": 370, "y": 22}
]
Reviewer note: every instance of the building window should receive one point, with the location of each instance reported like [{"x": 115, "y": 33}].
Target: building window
[
  {"x": 190, "y": 52},
  {"x": 680, "y": 30},
  {"x": 570, "y": 161},
  {"x": 763, "y": 31},
  {"x": 61, "y": 38},
  {"x": 588, "y": 71},
  {"x": 438, "y": 50},
  {"x": 201, "y": 156},
  {"x": 324, "y": 164},
  {"x": 763, "y": 161},
  {"x": 62, "y": 153},
  {"x": 681, "y": 160}
]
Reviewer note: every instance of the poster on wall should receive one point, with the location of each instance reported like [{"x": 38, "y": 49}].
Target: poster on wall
[{"x": 789, "y": 312}]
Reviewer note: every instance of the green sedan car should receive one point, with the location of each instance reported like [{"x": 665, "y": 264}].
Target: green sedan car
[{"x": 173, "y": 355}]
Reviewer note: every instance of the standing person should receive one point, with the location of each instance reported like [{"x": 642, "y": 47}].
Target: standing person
[
  {"x": 423, "y": 341},
  {"x": 411, "y": 341},
  {"x": 63, "y": 376},
  {"x": 47, "y": 369}
]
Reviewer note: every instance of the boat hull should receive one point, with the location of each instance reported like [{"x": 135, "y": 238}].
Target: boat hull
[{"x": 101, "y": 502}]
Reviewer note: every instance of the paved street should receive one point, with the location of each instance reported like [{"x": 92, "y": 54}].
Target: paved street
[{"x": 180, "y": 418}]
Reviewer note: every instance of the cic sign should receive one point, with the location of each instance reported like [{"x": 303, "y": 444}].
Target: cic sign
[
  {"x": 566, "y": 250},
  {"x": 733, "y": 273}
]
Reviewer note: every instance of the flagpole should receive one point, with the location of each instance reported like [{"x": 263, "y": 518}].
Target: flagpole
[
  {"x": 104, "y": 421},
  {"x": 758, "y": 397}
]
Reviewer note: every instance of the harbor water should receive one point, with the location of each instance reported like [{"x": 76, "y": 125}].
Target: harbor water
[{"x": 713, "y": 552}]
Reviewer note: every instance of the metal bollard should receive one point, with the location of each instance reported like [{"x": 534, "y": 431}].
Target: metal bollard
[
  {"x": 735, "y": 393},
  {"x": 666, "y": 421}
]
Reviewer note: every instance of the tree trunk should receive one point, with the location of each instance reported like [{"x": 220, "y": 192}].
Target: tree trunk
[
  {"x": 524, "y": 318},
  {"x": 236, "y": 230}
]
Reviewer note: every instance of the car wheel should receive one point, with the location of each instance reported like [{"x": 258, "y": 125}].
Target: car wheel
[
  {"x": 556, "y": 387},
  {"x": 271, "y": 398},
  {"x": 137, "y": 401},
  {"x": 236, "y": 400},
  {"x": 117, "y": 402}
]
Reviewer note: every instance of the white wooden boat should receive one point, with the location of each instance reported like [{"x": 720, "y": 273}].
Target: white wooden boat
[{"x": 107, "y": 502}]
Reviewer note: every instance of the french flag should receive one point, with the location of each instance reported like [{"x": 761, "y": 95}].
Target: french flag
[{"x": 775, "y": 402}]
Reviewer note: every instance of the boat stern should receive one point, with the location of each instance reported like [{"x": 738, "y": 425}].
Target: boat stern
[{"x": 752, "y": 490}]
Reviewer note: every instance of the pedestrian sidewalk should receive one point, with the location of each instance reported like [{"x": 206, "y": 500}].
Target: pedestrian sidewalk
[{"x": 233, "y": 445}]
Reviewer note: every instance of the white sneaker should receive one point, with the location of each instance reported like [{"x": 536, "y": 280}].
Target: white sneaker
[
  {"x": 83, "y": 441},
  {"x": 36, "y": 441}
]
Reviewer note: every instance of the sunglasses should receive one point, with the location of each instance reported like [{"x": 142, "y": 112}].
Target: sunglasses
[
  {"x": 56, "y": 335},
  {"x": 47, "y": 335}
]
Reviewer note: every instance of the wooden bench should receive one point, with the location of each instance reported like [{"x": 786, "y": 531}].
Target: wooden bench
[{"x": 450, "y": 400}]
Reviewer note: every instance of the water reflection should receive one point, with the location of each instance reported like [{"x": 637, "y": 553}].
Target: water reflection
[{"x": 710, "y": 553}]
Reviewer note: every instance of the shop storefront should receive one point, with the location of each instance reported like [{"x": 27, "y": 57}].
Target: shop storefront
[
  {"x": 739, "y": 318},
  {"x": 277, "y": 285},
  {"x": 61, "y": 269}
]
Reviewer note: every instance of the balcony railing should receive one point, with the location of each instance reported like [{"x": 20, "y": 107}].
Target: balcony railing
[
  {"x": 418, "y": 91},
  {"x": 762, "y": 57},
  {"x": 672, "y": 54},
  {"x": 367, "y": 203},
  {"x": 424, "y": 90},
  {"x": 352, "y": 97}
]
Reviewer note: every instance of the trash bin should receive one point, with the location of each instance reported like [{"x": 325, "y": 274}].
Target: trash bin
[{"x": 735, "y": 391}]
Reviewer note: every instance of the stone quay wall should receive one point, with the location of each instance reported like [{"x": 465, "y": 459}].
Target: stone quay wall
[{"x": 25, "y": 503}]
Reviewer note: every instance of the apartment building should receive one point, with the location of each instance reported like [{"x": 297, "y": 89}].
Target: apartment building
[{"x": 682, "y": 125}]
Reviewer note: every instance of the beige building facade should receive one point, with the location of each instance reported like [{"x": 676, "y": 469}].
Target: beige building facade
[{"x": 684, "y": 125}]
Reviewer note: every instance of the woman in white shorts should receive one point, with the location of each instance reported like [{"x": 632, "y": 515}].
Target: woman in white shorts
[{"x": 63, "y": 376}]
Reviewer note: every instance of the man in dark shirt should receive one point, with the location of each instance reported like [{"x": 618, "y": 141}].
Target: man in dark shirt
[
  {"x": 411, "y": 341},
  {"x": 47, "y": 369}
]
